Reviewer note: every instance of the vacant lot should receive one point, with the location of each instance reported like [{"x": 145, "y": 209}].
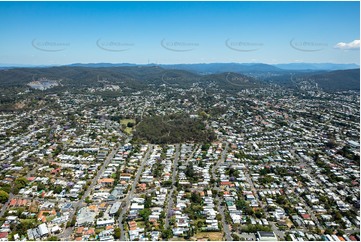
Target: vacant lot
[
  {"x": 214, "y": 236},
  {"x": 125, "y": 122}
]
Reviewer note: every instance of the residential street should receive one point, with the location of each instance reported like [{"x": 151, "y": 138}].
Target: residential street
[
  {"x": 131, "y": 192},
  {"x": 65, "y": 234},
  {"x": 170, "y": 201},
  {"x": 227, "y": 232}
]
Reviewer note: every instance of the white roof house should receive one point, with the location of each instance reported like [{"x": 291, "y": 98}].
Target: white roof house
[{"x": 43, "y": 229}]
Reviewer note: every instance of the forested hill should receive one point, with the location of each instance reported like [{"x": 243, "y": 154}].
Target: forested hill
[
  {"x": 129, "y": 76},
  {"x": 341, "y": 80},
  {"x": 142, "y": 77}
]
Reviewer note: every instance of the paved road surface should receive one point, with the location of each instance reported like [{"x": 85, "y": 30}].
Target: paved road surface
[
  {"x": 130, "y": 194},
  {"x": 308, "y": 170},
  {"x": 3, "y": 209},
  {"x": 11, "y": 196},
  {"x": 170, "y": 195},
  {"x": 280, "y": 234},
  {"x": 65, "y": 234},
  {"x": 226, "y": 230}
]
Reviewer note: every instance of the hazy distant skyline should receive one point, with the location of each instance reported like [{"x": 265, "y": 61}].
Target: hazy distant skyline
[{"x": 56, "y": 33}]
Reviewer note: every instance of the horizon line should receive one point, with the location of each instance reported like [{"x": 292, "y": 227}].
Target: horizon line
[{"x": 139, "y": 64}]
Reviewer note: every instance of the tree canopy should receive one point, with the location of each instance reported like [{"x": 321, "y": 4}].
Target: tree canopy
[{"x": 174, "y": 128}]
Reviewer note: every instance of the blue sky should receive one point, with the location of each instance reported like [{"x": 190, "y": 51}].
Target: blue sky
[{"x": 47, "y": 33}]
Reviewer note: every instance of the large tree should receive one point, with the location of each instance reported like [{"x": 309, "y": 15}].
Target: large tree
[{"x": 4, "y": 196}]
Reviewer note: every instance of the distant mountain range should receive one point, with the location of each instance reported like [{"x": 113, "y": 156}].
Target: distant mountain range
[
  {"x": 212, "y": 68},
  {"x": 230, "y": 77},
  {"x": 95, "y": 65},
  {"x": 316, "y": 66}
]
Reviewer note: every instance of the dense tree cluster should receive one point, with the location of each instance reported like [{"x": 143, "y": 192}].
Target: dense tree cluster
[
  {"x": 4, "y": 196},
  {"x": 175, "y": 128}
]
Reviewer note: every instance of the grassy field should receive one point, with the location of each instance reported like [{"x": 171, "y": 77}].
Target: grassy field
[
  {"x": 213, "y": 236},
  {"x": 125, "y": 122},
  {"x": 289, "y": 223}
]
